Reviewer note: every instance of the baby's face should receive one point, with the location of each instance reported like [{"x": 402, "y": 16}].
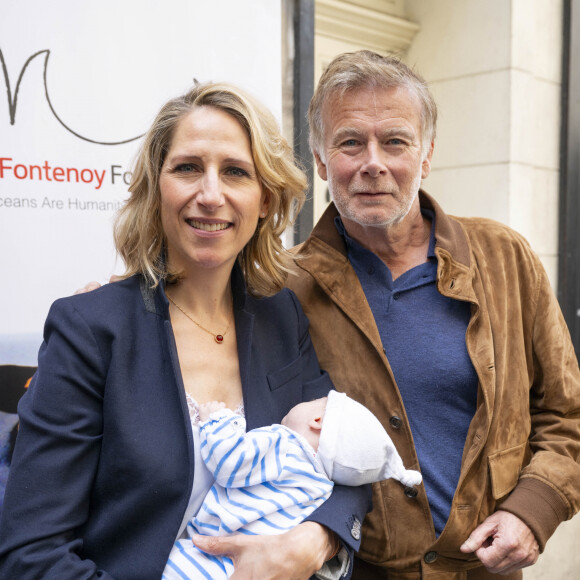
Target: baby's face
[{"x": 306, "y": 419}]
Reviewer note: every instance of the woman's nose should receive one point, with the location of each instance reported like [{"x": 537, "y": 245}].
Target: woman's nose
[{"x": 211, "y": 191}]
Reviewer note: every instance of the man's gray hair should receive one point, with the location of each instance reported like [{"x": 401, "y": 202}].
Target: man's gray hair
[{"x": 367, "y": 69}]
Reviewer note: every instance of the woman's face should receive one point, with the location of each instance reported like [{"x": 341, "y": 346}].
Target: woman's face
[{"x": 211, "y": 197}]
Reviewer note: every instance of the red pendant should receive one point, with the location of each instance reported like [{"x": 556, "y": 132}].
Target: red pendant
[{"x": 219, "y": 338}]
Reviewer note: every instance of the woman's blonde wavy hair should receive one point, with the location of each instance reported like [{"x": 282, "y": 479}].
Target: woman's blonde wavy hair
[{"x": 138, "y": 233}]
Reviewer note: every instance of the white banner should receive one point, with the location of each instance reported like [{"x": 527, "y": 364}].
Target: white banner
[{"x": 83, "y": 81}]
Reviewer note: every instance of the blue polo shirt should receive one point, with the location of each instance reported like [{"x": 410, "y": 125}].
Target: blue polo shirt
[{"x": 423, "y": 336}]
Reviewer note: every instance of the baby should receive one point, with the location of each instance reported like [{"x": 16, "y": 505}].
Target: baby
[{"x": 270, "y": 479}]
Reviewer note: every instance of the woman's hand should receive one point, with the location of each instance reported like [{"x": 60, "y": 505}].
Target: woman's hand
[{"x": 294, "y": 555}]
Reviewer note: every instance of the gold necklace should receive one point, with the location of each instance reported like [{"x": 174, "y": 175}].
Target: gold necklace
[{"x": 219, "y": 338}]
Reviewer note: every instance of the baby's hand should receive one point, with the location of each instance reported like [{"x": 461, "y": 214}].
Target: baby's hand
[{"x": 206, "y": 409}]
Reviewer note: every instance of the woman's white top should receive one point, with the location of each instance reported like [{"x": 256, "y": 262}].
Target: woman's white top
[{"x": 202, "y": 479}]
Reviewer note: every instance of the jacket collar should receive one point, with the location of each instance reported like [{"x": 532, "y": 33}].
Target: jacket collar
[{"x": 449, "y": 235}]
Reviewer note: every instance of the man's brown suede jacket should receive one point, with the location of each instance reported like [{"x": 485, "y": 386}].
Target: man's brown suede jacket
[{"x": 523, "y": 445}]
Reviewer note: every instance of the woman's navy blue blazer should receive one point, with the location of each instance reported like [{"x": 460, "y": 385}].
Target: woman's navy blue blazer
[{"x": 103, "y": 466}]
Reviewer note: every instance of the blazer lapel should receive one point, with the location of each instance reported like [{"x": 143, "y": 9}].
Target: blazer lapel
[{"x": 244, "y": 334}]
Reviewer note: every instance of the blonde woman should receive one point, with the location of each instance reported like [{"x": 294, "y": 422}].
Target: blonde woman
[{"x": 107, "y": 468}]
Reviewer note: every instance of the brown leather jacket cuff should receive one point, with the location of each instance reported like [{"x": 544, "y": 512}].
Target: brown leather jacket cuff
[{"x": 538, "y": 506}]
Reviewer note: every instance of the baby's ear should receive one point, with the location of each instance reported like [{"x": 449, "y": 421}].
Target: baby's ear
[{"x": 316, "y": 423}]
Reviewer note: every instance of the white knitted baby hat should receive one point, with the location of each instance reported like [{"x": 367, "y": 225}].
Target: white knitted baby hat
[{"x": 355, "y": 449}]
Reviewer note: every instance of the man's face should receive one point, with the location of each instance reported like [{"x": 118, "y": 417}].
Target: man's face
[{"x": 372, "y": 156}]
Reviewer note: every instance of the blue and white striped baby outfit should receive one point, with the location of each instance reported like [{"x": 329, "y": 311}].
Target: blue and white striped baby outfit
[{"x": 266, "y": 482}]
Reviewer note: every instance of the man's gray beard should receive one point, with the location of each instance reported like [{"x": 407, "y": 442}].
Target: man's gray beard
[{"x": 401, "y": 213}]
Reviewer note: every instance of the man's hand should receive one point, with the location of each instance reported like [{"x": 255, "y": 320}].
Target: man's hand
[
  {"x": 294, "y": 555},
  {"x": 88, "y": 287},
  {"x": 94, "y": 285},
  {"x": 503, "y": 543}
]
